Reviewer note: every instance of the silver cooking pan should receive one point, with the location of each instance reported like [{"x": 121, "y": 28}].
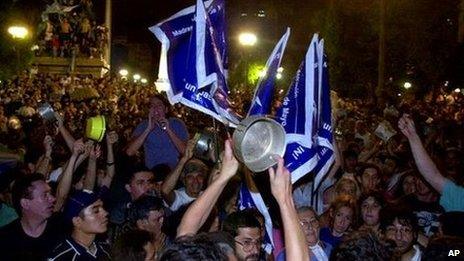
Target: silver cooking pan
[{"x": 256, "y": 139}]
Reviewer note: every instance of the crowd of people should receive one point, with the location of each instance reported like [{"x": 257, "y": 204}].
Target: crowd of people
[
  {"x": 69, "y": 29},
  {"x": 144, "y": 193}
]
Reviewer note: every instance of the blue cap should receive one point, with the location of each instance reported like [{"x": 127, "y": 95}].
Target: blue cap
[{"x": 78, "y": 201}]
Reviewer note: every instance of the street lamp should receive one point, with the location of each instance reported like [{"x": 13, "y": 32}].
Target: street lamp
[
  {"x": 123, "y": 73},
  {"x": 247, "y": 39},
  {"x": 407, "y": 85},
  {"x": 19, "y": 32},
  {"x": 136, "y": 77},
  {"x": 143, "y": 80}
]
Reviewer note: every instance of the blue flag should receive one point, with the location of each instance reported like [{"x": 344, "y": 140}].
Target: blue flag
[
  {"x": 305, "y": 115},
  {"x": 192, "y": 59},
  {"x": 253, "y": 200},
  {"x": 262, "y": 99}
]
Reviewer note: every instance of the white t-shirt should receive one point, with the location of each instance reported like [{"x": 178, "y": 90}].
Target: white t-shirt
[{"x": 181, "y": 199}]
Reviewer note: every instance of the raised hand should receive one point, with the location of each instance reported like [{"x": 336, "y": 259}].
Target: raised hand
[
  {"x": 78, "y": 147},
  {"x": 163, "y": 124},
  {"x": 229, "y": 162},
  {"x": 111, "y": 138},
  {"x": 407, "y": 127},
  {"x": 280, "y": 179},
  {"x": 95, "y": 152},
  {"x": 189, "y": 149}
]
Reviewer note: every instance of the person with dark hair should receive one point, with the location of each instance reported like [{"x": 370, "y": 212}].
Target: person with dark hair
[
  {"x": 134, "y": 245},
  {"x": 365, "y": 246},
  {"x": 350, "y": 162},
  {"x": 38, "y": 229},
  {"x": 370, "y": 206},
  {"x": 147, "y": 213},
  {"x": 444, "y": 248},
  {"x": 192, "y": 172},
  {"x": 84, "y": 210},
  {"x": 139, "y": 183},
  {"x": 196, "y": 247},
  {"x": 164, "y": 139},
  {"x": 369, "y": 177},
  {"x": 246, "y": 231},
  {"x": 400, "y": 226}
]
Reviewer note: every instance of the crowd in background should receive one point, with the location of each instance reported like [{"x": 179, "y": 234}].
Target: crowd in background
[
  {"x": 144, "y": 192},
  {"x": 69, "y": 29}
]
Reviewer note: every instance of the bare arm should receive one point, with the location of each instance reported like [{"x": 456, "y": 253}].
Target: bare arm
[
  {"x": 111, "y": 138},
  {"x": 68, "y": 138},
  {"x": 281, "y": 188},
  {"x": 200, "y": 209},
  {"x": 424, "y": 163},
  {"x": 44, "y": 161},
  {"x": 91, "y": 174},
  {"x": 171, "y": 180},
  {"x": 64, "y": 186}
]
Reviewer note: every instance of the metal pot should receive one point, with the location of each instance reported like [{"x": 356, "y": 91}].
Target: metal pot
[
  {"x": 46, "y": 112},
  {"x": 256, "y": 140},
  {"x": 206, "y": 141}
]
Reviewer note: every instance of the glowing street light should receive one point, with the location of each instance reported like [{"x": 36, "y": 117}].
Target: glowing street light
[
  {"x": 19, "y": 32},
  {"x": 278, "y": 76},
  {"x": 143, "y": 80},
  {"x": 247, "y": 39},
  {"x": 280, "y": 69},
  {"x": 123, "y": 72},
  {"x": 136, "y": 77},
  {"x": 457, "y": 90},
  {"x": 407, "y": 85}
]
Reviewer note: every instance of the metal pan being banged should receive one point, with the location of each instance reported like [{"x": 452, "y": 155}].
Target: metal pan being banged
[{"x": 256, "y": 140}]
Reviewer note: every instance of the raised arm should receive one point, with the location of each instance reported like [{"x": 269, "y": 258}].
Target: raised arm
[
  {"x": 281, "y": 188},
  {"x": 111, "y": 139},
  {"x": 91, "y": 174},
  {"x": 198, "y": 212},
  {"x": 171, "y": 180},
  {"x": 44, "y": 162},
  {"x": 64, "y": 185},
  {"x": 424, "y": 163},
  {"x": 137, "y": 142},
  {"x": 68, "y": 138}
]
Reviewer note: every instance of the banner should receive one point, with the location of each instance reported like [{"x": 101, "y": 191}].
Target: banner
[
  {"x": 192, "y": 59},
  {"x": 262, "y": 98},
  {"x": 306, "y": 117}
]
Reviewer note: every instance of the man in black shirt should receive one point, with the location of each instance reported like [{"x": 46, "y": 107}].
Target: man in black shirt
[{"x": 37, "y": 230}]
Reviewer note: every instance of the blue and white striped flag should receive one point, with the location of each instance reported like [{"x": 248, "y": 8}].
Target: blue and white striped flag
[
  {"x": 306, "y": 117},
  {"x": 262, "y": 99},
  {"x": 253, "y": 200},
  {"x": 192, "y": 59}
]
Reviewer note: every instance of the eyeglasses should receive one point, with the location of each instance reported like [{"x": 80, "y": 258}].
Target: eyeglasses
[{"x": 249, "y": 244}]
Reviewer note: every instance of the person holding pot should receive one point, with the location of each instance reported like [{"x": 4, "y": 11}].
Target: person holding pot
[{"x": 164, "y": 139}]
